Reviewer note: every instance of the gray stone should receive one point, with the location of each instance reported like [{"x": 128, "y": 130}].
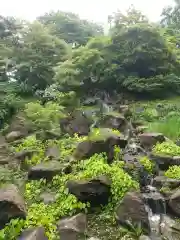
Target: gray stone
[
  {"x": 148, "y": 140},
  {"x": 53, "y": 152},
  {"x": 48, "y": 170},
  {"x": 163, "y": 181},
  {"x": 132, "y": 211},
  {"x": 37, "y": 233},
  {"x": 12, "y": 204},
  {"x": 174, "y": 202},
  {"x": 95, "y": 191},
  {"x": 13, "y": 136},
  {"x": 72, "y": 227}
]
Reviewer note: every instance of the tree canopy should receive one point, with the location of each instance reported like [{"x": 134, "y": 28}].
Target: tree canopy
[{"x": 136, "y": 56}]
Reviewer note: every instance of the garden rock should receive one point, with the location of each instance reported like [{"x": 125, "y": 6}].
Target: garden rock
[
  {"x": 22, "y": 155},
  {"x": 131, "y": 211},
  {"x": 148, "y": 140},
  {"x": 48, "y": 170},
  {"x": 12, "y": 204},
  {"x": 170, "y": 229},
  {"x": 72, "y": 227},
  {"x": 48, "y": 198},
  {"x": 87, "y": 148},
  {"x": 76, "y": 123},
  {"x": 163, "y": 181},
  {"x": 53, "y": 152},
  {"x": 164, "y": 162},
  {"x": 124, "y": 110},
  {"x": 37, "y": 233},
  {"x": 174, "y": 202},
  {"x": 95, "y": 191},
  {"x": 114, "y": 121},
  {"x": 143, "y": 237},
  {"x": 13, "y": 136}
]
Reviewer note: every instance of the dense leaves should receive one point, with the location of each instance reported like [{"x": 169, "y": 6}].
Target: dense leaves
[{"x": 70, "y": 27}]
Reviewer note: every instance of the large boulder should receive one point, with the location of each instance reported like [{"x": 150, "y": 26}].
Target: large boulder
[
  {"x": 12, "y": 204},
  {"x": 37, "y": 233},
  {"x": 163, "y": 181},
  {"x": 164, "y": 162},
  {"x": 14, "y": 135},
  {"x": 95, "y": 191},
  {"x": 5, "y": 155},
  {"x": 72, "y": 227},
  {"x": 88, "y": 148},
  {"x": 76, "y": 123},
  {"x": 131, "y": 211},
  {"x": 114, "y": 121},
  {"x": 53, "y": 152},
  {"x": 174, "y": 203},
  {"x": 148, "y": 140},
  {"x": 48, "y": 170},
  {"x": 22, "y": 155},
  {"x": 125, "y": 110}
]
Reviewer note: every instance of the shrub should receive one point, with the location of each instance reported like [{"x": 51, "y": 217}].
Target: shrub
[
  {"x": 44, "y": 117},
  {"x": 121, "y": 182},
  {"x": 166, "y": 148},
  {"x": 173, "y": 172},
  {"x": 98, "y": 134},
  {"x": 31, "y": 143},
  {"x": 147, "y": 163}
]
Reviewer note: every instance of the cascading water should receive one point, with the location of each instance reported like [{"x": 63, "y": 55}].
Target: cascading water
[{"x": 156, "y": 208}]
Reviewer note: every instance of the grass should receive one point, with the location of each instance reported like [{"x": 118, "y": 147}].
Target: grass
[
  {"x": 170, "y": 127},
  {"x": 159, "y": 116}
]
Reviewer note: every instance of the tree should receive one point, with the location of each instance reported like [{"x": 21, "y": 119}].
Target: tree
[
  {"x": 38, "y": 53},
  {"x": 171, "y": 16},
  {"x": 9, "y": 29},
  {"x": 120, "y": 20},
  {"x": 70, "y": 27}
]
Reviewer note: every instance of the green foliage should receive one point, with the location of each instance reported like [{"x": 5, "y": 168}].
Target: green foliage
[
  {"x": 173, "y": 172},
  {"x": 52, "y": 93},
  {"x": 44, "y": 117},
  {"x": 10, "y": 102},
  {"x": 121, "y": 181},
  {"x": 12, "y": 230},
  {"x": 170, "y": 126},
  {"x": 37, "y": 56},
  {"x": 98, "y": 134},
  {"x": 147, "y": 163},
  {"x": 68, "y": 26},
  {"x": 32, "y": 144},
  {"x": 166, "y": 148}
]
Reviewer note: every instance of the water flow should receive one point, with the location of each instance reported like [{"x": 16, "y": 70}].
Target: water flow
[{"x": 156, "y": 208}]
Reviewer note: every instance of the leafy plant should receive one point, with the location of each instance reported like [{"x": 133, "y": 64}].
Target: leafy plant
[
  {"x": 173, "y": 172},
  {"x": 102, "y": 134},
  {"x": 34, "y": 145},
  {"x": 147, "y": 163},
  {"x": 44, "y": 117},
  {"x": 166, "y": 148}
]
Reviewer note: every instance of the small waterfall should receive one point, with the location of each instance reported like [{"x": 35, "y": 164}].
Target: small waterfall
[{"x": 156, "y": 208}]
